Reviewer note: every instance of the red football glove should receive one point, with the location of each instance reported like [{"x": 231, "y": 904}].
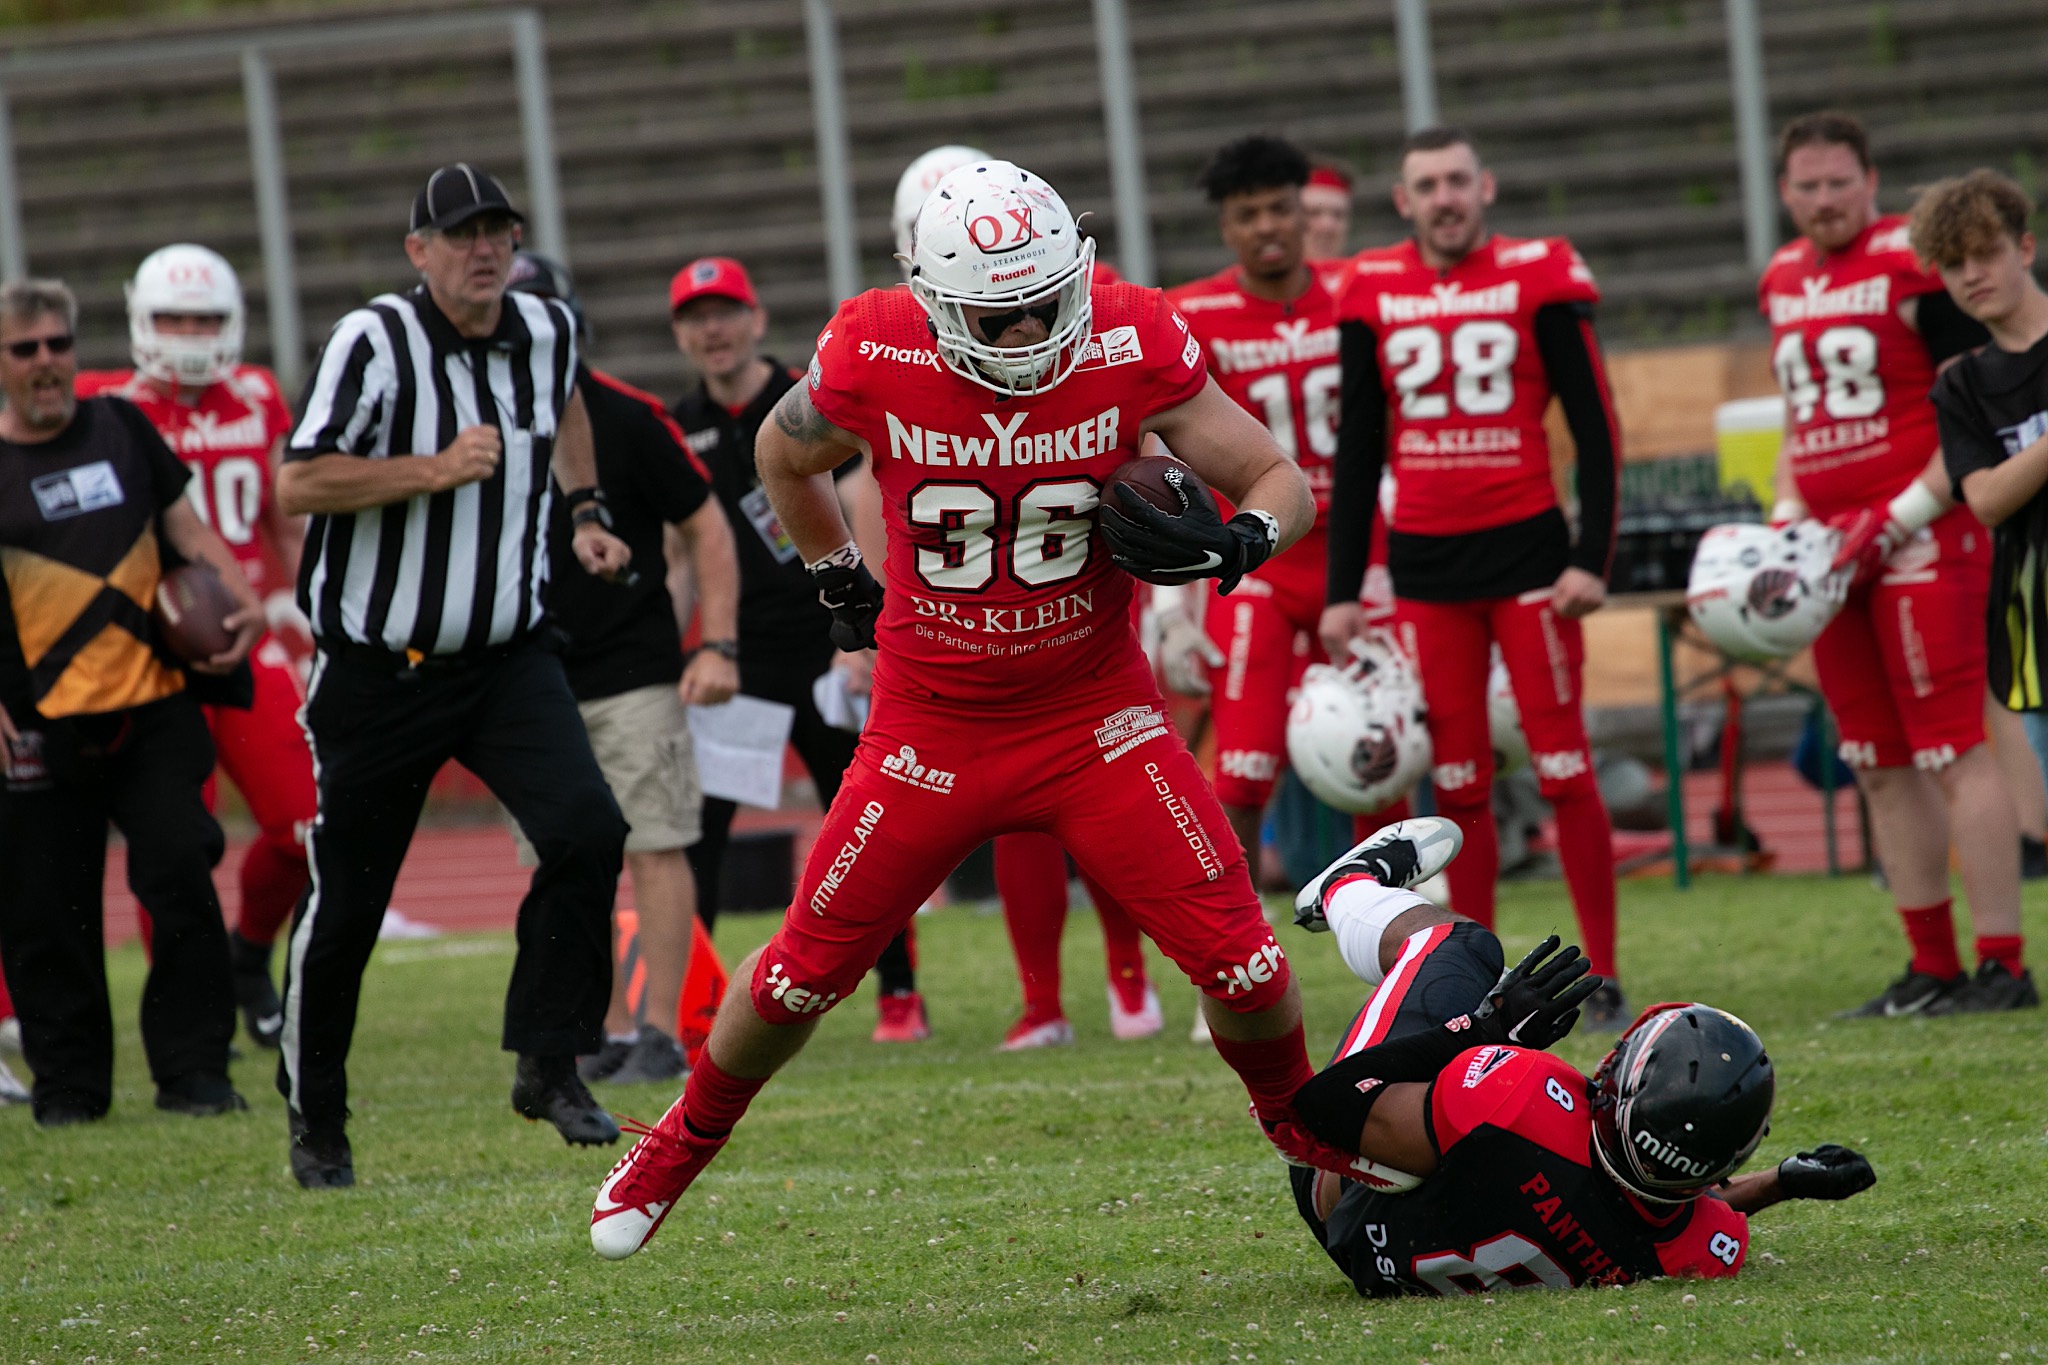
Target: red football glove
[{"x": 1869, "y": 535}]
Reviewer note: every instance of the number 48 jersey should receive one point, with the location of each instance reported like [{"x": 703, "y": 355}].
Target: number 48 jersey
[
  {"x": 225, "y": 439},
  {"x": 1519, "y": 1200},
  {"x": 1858, "y": 426}
]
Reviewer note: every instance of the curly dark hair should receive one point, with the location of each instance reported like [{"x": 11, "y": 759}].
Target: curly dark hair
[
  {"x": 1963, "y": 217},
  {"x": 1258, "y": 162}
]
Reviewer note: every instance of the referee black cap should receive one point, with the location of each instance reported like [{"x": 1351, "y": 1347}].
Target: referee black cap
[{"x": 455, "y": 194}]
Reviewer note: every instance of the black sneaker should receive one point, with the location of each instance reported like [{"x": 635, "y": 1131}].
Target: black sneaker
[
  {"x": 2033, "y": 859},
  {"x": 602, "y": 1064},
  {"x": 1400, "y": 855},
  {"x": 1992, "y": 991},
  {"x": 321, "y": 1159},
  {"x": 549, "y": 1088},
  {"x": 199, "y": 1094},
  {"x": 1913, "y": 993},
  {"x": 262, "y": 1011},
  {"x": 64, "y": 1110},
  {"x": 656, "y": 1057},
  {"x": 1606, "y": 1010}
]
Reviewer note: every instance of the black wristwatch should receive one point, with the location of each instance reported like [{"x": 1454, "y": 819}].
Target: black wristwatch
[
  {"x": 587, "y": 505},
  {"x": 724, "y": 649}
]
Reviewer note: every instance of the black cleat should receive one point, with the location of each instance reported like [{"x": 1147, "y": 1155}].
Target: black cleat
[
  {"x": 199, "y": 1094},
  {"x": 1913, "y": 993},
  {"x": 1606, "y": 1010},
  {"x": 549, "y": 1088},
  {"x": 602, "y": 1064},
  {"x": 321, "y": 1159},
  {"x": 64, "y": 1110},
  {"x": 656, "y": 1057},
  {"x": 262, "y": 1011},
  {"x": 1992, "y": 990}
]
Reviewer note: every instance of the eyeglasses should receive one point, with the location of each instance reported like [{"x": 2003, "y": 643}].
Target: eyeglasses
[
  {"x": 995, "y": 324},
  {"x": 60, "y": 344},
  {"x": 497, "y": 231}
]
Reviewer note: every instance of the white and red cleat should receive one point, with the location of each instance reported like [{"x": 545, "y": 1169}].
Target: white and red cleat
[
  {"x": 1138, "y": 1017},
  {"x": 900, "y": 1018},
  {"x": 1299, "y": 1147},
  {"x": 1028, "y": 1033},
  {"x": 646, "y": 1183}
]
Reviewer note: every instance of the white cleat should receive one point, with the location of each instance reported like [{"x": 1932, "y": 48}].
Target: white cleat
[
  {"x": 644, "y": 1186},
  {"x": 12, "y": 1091},
  {"x": 1130, "y": 1025},
  {"x": 1401, "y": 855},
  {"x": 1024, "y": 1038}
]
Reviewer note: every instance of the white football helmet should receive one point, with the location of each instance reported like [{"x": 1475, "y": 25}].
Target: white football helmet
[
  {"x": 916, "y": 186},
  {"x": 185, "y": 279},
  {"x": 1357, "y": 736},
  {"x": 993, "y": 235},
  {"x": 1762, "y": 592},
  {"x": 1504, "y": 721}
]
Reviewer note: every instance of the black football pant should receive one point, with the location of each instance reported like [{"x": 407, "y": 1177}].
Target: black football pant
[
  {"x": 1437, "y": 979},
  {"x": 380, "y": 732},
  {"x": 141, "y": 770},
  {"x": 827, "y": 752}
]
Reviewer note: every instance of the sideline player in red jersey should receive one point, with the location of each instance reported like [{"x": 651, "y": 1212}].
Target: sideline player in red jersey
[
  {"x": 994, "y": 397},
  {"x": 1269, "y": 325},
  {"x": 1468, "y": 335},
  {"x": 226, "y": 421},
  {"x": 1531, "y": 1173},
  {"x": 1858, "y": 329},
  {"x": 1326, "y": 204}
]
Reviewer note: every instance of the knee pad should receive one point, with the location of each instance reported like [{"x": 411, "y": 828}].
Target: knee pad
[
  {"x": 1247, "y": 983},
  {"x": 783, "y": 996}
]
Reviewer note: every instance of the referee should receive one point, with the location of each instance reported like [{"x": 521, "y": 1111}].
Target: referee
[{"x": 423, "y": 458}]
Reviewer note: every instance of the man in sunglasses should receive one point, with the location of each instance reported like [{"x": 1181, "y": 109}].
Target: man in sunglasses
[
  {"x": 1487, "y": 1164},
  {"x": 98, "y": 724}
]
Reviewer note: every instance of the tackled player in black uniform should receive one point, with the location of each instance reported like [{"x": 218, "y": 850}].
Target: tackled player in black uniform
[{"x": 1484, "y": 1163}]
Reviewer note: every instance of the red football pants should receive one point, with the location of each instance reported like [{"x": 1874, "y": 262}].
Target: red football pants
[
  {"x": 1101, "y": 772},
  {"x": 1451, "y": 643},
  {"x": 1266, "y": 632},
  {"x": 263, "y": 751}
]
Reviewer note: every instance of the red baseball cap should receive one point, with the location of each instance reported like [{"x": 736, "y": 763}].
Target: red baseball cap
[{"x": 713, "y": 277}]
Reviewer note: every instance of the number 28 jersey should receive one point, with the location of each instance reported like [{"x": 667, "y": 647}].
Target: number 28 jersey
[
  {"x": 1518, "y": 1199},
  {"x": 999, "y": 590},
  {"x": 225, "y": 440},
  {"x": 1459, "y": 363},
  {"x": 1858, "y": 426}
]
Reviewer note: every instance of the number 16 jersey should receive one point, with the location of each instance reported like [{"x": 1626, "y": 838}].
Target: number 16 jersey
[{"x": 999, "y": 590}]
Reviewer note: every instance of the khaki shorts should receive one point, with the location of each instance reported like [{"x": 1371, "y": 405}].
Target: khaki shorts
[{"x": 642, "y": 742}]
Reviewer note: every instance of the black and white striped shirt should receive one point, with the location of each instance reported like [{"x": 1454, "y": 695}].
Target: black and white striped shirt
[{"x": 450, "y": 571}]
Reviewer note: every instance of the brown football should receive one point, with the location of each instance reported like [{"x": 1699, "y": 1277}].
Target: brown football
[
  {"x": 191, "y": 605},
  {"x": 1163, "y": 481}
]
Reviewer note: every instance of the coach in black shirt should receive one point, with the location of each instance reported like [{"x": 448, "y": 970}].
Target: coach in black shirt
[{"x": 423, "y": 457}]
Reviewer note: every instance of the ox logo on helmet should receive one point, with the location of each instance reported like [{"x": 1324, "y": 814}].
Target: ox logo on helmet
[
  {"x": 1771, "y": 593},
  {"x": 995, "y": 233}
]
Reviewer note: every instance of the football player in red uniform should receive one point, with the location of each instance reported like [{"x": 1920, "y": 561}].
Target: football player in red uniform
[
  {"x": 995, "y": 397},
  {"x": 226, "y": 421},
  {"x": 1858, "y": 329},
  {"x": 1326, "y": 204},
  {"x": 1496, "y": 1165},
  {"x": 1466, "y": 336}
]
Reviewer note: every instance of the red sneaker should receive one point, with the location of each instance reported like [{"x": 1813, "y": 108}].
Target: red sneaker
[
  {"x": 1299, "y": 1147},
  {"x": 645, "y": 1184},
  {"x": 901, "y": 1018}
]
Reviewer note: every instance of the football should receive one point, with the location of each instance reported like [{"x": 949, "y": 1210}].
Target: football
[
  {"x": 191, "y": 606},
  {"x": 1163, "y": 481}
]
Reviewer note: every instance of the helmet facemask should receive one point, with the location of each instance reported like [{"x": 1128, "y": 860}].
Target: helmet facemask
[
  {"x": 1014, "y": 370},
  {"x": 187, "y": 280}
]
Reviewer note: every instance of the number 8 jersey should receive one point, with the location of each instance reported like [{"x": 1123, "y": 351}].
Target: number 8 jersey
[
  {"x": 1858, "y": 426},
  {"x": 999, "y": 590}
]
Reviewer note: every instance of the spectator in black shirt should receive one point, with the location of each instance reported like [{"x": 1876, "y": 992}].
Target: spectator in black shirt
[
  {"x": 626, "y": 669},
  {"x": 785, "y": 644}
]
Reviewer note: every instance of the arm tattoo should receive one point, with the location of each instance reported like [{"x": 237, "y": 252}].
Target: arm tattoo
[{"x": 797, "y": 419}]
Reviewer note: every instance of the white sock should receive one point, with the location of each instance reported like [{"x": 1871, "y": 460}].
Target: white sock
[
  {"x": 627, "y": 1038},
  {"x": 1359, "y": 913}
]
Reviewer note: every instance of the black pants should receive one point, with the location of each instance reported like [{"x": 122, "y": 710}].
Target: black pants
[
  {"x": 827, "y": 752},
  {"x": 143, "y": 770},
  {"x": 379, "y": 736}
]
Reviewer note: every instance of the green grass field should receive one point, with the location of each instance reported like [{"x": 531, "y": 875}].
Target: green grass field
[{"x": 938, "y": 1202}]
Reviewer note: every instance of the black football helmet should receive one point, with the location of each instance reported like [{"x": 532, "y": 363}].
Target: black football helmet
[
  {"x": 533, "y": 273},
  {"x": 1681, "y": 1102}
]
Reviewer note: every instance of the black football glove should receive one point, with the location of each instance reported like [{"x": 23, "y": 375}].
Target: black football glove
[
  {"x": 1829, "y": 1172},
  {"x": 1536, "y": 1004},
  {"x": 1149, "y": 544},
  {"x": 854, "y": 598}
]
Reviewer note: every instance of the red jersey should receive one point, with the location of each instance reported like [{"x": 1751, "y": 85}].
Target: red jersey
[
  {"x": 1465, "y": 380},
  {"x": 225, "y": 439},
  {"x": 999, "y": 590},
  {"x": 1519, "y": 1200},
  {"x": 1858, "y": 426}
]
